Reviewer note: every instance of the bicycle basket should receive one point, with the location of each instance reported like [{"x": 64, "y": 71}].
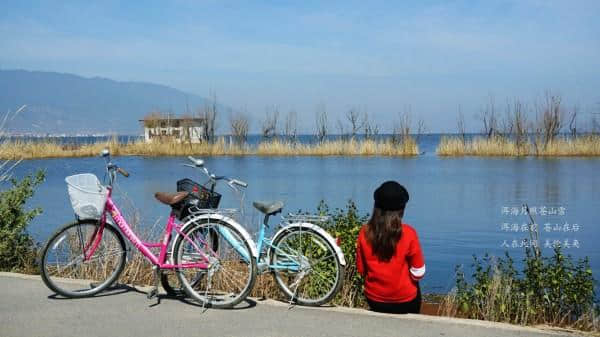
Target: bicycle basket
[
  {"x": 87, "y": 195},
  {"x": 200, "y": 196}
]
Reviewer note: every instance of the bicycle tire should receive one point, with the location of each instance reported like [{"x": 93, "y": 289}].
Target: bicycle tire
[
  {"x": 168, "y": 285},
  {"x": 281, "y": 275},
  {"x": 100, "y": 280}
]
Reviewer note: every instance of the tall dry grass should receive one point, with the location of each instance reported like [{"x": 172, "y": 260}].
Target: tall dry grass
[
  {"x": 19, "y": 149},
  {"x": 349, "y": 147},
  {"x": 584, "y": 146},
  {"x": 581, "y": 146}
]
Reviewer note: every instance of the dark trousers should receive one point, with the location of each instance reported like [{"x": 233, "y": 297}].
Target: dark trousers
[{"x": 412, "y": 307}]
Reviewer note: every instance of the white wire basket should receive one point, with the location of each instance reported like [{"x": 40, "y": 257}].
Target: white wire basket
[{"x": 87, "y": 195}]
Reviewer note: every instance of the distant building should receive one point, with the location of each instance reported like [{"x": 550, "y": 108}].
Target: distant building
[{"x": 168, "y": 127}]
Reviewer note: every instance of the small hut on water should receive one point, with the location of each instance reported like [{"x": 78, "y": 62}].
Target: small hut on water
[{"x": 162, "y": 127}]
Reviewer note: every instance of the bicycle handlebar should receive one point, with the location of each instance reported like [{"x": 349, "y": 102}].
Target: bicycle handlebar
[
  {"x": 199, "y": 163},
  {"x": 123, "y": 172},
  {"x": 239, "y": 183},
  {"x": 110, "y": 167}
]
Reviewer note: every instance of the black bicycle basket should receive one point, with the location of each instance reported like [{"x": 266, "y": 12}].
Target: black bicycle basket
[{"x": 199, "y": 197}]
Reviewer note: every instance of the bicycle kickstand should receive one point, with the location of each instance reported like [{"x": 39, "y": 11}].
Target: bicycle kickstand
[
  {"x": 295, "y": 284},
  {"x": 154, "y": 291},
  {"x": 208, "y": 286}
]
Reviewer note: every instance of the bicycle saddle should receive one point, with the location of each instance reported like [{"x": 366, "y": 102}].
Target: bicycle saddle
[
  {"x": 170, "y": 198},
  {"x": 269, "y": 208}
]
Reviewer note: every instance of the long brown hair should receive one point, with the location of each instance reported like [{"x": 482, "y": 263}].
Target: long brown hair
[{"x": 383, "y": 231}]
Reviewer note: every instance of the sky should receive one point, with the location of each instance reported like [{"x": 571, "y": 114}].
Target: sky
[{"x": 381, "y": 58}]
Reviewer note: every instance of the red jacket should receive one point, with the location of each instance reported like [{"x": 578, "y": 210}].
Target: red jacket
[{"x": 393, "y": 281}]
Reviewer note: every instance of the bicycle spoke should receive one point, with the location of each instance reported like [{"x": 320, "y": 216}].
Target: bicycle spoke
[
  {"x": 323, "y": 258},
  {"x": 316, "y": 276},
  {"x": 229, "y": 277}
]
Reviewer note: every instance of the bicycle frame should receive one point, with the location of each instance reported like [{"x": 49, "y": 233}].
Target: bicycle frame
[
  {"x": 261, "y": 242},
  {"x": 144, "y": 247},
  {"x": 292, "y": 263}
]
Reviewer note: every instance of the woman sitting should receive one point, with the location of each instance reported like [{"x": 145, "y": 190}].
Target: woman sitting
[{"x": 389, "y": 256}]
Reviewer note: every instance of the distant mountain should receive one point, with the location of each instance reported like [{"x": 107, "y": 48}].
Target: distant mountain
[{"x": 66, "y": 103}]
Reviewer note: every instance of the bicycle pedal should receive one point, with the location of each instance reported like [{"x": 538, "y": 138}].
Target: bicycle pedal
[{"x": 153, "y": 293}]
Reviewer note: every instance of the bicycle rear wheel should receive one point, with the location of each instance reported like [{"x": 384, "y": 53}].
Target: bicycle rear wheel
[
  {"x": 231, "y": 270},
  {"x": 63, "y": 260},
  {"x": 306, "y": 267}
]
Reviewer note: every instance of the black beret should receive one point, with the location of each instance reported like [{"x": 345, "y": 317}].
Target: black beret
[{"x": 390, "y": 196}]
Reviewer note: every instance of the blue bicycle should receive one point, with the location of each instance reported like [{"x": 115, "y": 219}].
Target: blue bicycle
[{"x": 305, "y": 260}]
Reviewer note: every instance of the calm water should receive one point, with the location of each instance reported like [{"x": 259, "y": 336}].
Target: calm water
[{"x": 456, "y": 205}]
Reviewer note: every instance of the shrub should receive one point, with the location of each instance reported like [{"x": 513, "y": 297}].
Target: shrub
[
  {"x": 17, "y": 249},
  {"x": 345, "y": 227},
  {"x": 553, "y": 290}
]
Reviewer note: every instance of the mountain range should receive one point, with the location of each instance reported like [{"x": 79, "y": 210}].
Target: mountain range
[{"x": 71, "y": 104}]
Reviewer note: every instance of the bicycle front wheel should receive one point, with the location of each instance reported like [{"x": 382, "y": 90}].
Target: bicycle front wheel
[
  {"x": 306, "y": 267},
  {"x": 68, "y": 266},
  {"x": 231, "y": 269}
]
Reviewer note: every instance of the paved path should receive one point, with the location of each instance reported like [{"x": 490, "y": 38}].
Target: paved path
[{"x": 28, "y": 309}]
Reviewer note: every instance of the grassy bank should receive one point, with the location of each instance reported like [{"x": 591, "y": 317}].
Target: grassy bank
[
  {"x": 582, "y": 146},
  {"x": 221, "y": 147}
]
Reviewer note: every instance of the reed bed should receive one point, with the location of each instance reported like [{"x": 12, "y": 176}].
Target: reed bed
[
  {"x": 13, "y": 150},
  {"x": 339, "y": 148},
  {"x": 221, "y": 147},
  {"x": 582, "y": 146}
]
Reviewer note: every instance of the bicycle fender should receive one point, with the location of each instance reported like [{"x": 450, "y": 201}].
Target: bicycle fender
[
  {"x": 321, "y": 231},
  {"x": 222, "y": 218}
]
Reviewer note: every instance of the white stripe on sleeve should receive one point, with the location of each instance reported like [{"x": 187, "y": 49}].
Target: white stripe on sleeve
[{"x": 417, "y": 272}]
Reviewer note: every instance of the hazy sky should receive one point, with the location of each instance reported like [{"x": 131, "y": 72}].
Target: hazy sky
[{"x": 377, "y": 56}]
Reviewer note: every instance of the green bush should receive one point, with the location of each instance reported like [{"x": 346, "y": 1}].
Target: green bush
[
  {"x": 17, "y": 249},
  {"x": 553, "y": 290},
  {"x": 346, "y": 223}
]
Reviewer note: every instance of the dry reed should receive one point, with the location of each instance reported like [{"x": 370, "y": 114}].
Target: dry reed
[
  {"x": 20, "y": 149},
  {"x": 349, "y": 147},
  {"x": 584, "y": 146}
]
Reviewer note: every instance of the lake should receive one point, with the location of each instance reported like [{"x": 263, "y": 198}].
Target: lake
[{"x": 459, "y": 206}]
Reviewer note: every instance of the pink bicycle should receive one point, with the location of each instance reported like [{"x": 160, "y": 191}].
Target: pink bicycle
[{"x": 93, "y": 249}]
